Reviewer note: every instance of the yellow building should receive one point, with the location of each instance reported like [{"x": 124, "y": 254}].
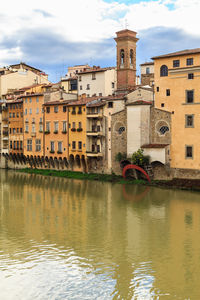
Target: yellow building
[
  {"x": 77, "y": 131},
  {"x": 177, "y": 89}
]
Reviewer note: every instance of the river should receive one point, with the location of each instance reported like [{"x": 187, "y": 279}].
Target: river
[{"x": 73, "y": 239}]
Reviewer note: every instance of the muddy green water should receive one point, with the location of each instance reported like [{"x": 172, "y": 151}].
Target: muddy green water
[{"x": 71, "y": 239}]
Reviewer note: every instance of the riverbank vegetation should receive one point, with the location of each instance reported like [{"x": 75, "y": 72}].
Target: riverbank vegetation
[
  {"x": 176, "y": 183},
  {"x": 82, "y": 176}
]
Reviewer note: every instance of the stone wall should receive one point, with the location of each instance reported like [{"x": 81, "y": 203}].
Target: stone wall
[
  {"x": 147, "y": 79},
  {"x": 118, "y": 138},
  {"x": 160, "y": 118}
]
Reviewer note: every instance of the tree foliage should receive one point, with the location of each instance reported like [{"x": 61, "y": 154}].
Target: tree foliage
[{"x": 139, "y": 159}]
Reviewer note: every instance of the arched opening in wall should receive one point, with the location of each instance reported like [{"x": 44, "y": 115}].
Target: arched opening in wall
[
  {"x": 71, "y": 160},
  {"x": 83, "y": 162},
  {"x": 124, "y": 163},
  {"x": 66, "y": 163},
  {"x": 160, "y": 170},
  {"x": 163, "y": 71},
  {"x": 122, "y": 57},
  {"x": 78, "y": 161},
  {"x": 131, "y": 57}
]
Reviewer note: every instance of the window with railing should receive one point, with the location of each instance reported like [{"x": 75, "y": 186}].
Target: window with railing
[
  {"x": 59, "y": 147},
  {"x": 29, "y": 145},
  {"x": 37, "y": 145}
]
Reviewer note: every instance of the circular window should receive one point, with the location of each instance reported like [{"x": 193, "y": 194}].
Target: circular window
[
  {"x": 163, "y": 129},
  {"x": 119, "y": 127}
]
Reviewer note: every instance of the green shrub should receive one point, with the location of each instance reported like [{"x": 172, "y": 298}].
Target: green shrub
[{"x": 139, "y": 159}]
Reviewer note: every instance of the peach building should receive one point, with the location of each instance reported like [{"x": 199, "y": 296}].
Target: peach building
[
  {"x": 77, "y": 129},
  {"x": 33, "y": 124},
  {"x": 56, "y": 138},
  {"x": 15, "y": 112}
]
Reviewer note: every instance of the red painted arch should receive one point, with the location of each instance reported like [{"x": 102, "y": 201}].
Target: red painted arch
[{"x": 127, "y": 167}]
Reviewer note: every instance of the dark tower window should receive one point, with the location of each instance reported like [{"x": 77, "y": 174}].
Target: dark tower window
[
  {"x": 122, "y": 55},
  {"x": 131, "y": 57},
  {"x": 164, "y": 71}
]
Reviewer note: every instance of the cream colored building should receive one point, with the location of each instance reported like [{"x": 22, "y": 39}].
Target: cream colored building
[
  {"x": 18, "y": 76},
  {"x": 141, "y": 93},
  {"x": 97, "y": 82},
  {"x": 147, "y": 73}
]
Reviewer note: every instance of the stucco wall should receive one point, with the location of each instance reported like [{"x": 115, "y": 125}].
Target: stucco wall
[{"x": 138, "y": 118}]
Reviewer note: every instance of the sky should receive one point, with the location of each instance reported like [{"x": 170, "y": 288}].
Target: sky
[{"x": 52, "y": 35}]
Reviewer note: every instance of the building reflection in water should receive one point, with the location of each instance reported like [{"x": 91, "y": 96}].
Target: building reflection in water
[{"x": 147, "y": 246}]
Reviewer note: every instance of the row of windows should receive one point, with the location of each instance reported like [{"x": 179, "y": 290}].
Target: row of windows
[
  {"x": 16, "y": 130},
  {"x": 56, "y": 109},
  {"x": 88, "y": 87},
  {"x": 56, "y": 126},
  {"x": 16, "y": 145},
  {"x": 30, "y": 100},
  {"x": 31, "y": 111},
  {"x": 189, "y": 95},
  {"x": 189, "y": 62},
  {"x": 13, "y": 115},
  {"x": 93, "y": 77},
  {"x": 176, "y": 64},
  {"x": 74, "y": 145},
  {"x": 52, "y": 147},
  {"x": 33, "y": 128},
  {"x": 13, "y": 106},
  {"x": 30, "y": 145},
  {"x": 122, "y": 57}
]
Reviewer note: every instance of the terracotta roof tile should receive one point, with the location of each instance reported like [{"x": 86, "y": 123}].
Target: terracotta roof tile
[
  {"x": 97, "y": 69},
  {"x": 178, "y": 53},
  {"x": 140, "y": 102},
  {"x": 155, "y": 146}
]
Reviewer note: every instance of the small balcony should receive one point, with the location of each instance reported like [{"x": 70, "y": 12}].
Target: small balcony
[
  {"x": 73, "y": 129},
  {"x": 95, "y": 115},
  {"x": 94, "y": 154},
  {"x": 33, "y": 134},
  {"x": 96, "y": 131}
]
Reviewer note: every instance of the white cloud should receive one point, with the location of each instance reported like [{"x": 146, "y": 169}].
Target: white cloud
[{"x": 82, "y": 21}]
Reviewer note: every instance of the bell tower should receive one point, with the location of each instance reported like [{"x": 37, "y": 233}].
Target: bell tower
[{"x": 126, "y": 60}]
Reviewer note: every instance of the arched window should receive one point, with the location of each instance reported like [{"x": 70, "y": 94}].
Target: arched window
[
  {"x": 163, "y": 129},
  {"x": 122, "y": 55},
  {"x": 131, "y": 57},
  {"x": 164, "y": 70}
]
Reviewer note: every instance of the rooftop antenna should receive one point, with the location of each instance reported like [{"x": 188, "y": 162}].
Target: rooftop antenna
[{"x": 126, "y": 24}]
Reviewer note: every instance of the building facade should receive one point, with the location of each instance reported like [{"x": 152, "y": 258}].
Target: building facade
[
  {"x": 97, "y": 82},
  {"x": 16, "y": 133},
  {"x": 33, "y": 124},
  {"x": 177, "y": 90},
  {"x": 147, "y": 73},
  {"x": 56, "y": 138}
]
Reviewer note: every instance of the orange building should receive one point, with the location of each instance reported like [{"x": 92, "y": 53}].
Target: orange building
[
  {"x": 15, "y": 113},
  {"x": 56, "y": 129},
  {"x": 33, "y": 124},
  {"x": 77, "y": 130}
]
